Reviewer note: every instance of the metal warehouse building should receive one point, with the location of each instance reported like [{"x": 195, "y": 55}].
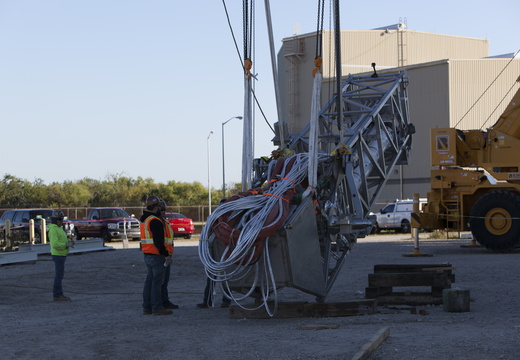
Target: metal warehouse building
[{"x": 452, "y": 83}]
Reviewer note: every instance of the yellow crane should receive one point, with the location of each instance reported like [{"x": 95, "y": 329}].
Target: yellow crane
[{"x": 477, "y": 183}]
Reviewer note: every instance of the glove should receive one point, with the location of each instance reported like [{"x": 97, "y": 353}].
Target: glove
[
  {"x": 168, "y": 260},
  {"x": 69, "y": 244}
]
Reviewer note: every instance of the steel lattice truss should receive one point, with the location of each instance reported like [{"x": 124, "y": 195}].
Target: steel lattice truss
[
  {"x": 362, "y": 135},
  {"x": 374, "y": 110},
  {"x": 376, "y": 136}
]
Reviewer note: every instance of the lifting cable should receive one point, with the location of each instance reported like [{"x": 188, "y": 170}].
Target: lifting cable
[
  {"x": 331, "y": 70},
  {"x": 319, "y": 28},
  {"x": 247, "y": 15},
  {"x": 483, "y": 93},
  {"x": 242, "y": 63},
  {"x": 337, "y": 45},
  {"x": 315, "y": 101},
  {"x": 247, "y": 135}
]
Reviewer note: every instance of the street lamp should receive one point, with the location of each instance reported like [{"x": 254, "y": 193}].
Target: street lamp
[
  {"x": 209, "y": 181},
  {"x": 223, "y": 167}
]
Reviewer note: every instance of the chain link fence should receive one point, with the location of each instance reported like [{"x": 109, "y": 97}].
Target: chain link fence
[{"x": 198, "y": 213}]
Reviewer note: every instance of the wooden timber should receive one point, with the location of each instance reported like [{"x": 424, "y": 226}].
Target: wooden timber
[
  {"x": 385, "y": 278},
  {"x": 304, "y": 309}
]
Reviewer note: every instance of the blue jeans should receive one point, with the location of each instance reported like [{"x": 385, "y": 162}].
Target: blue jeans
[
  {"x": 208, "y": 293},
  {"x": 152, "y": 292},
  {"x": 59, "y": 271},
  {"x": 164, "y": 288}
]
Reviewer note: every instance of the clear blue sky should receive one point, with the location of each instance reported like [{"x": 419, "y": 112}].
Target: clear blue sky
[{"x": 90, "y": 88}]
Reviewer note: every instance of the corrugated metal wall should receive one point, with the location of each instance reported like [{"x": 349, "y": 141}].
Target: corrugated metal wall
[
  {"x": 425, "y": 47},
  {"x": 429, "y": 107},
  {"x": 359, "y": 50},
  {"x": 396, "y": 48},
  {"x": 472, "y": 106}
]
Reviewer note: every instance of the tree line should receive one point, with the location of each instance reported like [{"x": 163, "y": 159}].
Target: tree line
[{"x": 114, "y": 190}]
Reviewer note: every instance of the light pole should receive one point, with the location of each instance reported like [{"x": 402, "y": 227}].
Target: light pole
[
  {"x": 223, "y": 167},
  {"x": 209, "y": 181}
]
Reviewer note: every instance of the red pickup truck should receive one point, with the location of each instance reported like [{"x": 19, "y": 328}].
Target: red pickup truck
[{"x": 107, "y": 223}]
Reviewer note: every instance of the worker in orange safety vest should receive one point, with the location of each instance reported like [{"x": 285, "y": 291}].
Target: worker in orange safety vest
[
  {"x": 168, "y": 242},
  {"x": 157, "y": 257}
]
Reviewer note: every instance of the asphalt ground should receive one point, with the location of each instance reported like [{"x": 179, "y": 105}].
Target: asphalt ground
[{"x": 104, "y": 319}]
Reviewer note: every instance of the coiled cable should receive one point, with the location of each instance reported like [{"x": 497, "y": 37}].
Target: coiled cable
[{"x": 251, "y": 215}]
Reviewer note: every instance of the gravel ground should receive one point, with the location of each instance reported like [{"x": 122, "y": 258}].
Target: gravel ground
[{"x": 104, "y": 319}]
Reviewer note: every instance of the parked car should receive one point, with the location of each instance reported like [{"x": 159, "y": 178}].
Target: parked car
[
  {"x": 20, "y": 222},
  {"x": 108, "y": 223},
  {"x": 396, "y": 216},
  {"x": 181, "y": 224}
]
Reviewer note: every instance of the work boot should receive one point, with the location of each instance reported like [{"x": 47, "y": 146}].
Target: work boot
[
  {"x": 170, "y": 305},
  {"x": 162, "y": 312},
  {"x": 61, "y": 298}
]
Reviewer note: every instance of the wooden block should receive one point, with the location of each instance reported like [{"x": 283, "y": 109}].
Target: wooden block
[
  {"x": 285, "y": 310},
  {"x": 369, "y": 347},
  {"x": 348, "y": 308},
  {"x": 373, "y": 292},
  {"x": 413, "y": 299},
  {"x": 387, "y": 277},
  {"x": 446, "y": 268},
  {"x": 400, "y": 268},
  {"x": 455, "y": 300},
  {"x": 408, "y": 279},
  {"x": 300, "y": 309}
]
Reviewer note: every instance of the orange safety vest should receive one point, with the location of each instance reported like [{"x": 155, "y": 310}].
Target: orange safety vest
[
  {"x": 147, "y": 245},
  {"x": 168, "y": 237}
]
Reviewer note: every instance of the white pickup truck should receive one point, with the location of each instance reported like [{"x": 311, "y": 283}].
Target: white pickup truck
[{"x": 396, "y": 216}]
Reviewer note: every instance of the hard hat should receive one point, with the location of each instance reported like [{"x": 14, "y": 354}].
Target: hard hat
[
  {"x": 162, "y": 203},
  {"x": 57, "y": 214},
  {"x": 152, "y": 201}
]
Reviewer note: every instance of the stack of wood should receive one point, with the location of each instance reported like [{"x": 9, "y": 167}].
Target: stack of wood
[{"x": 422, "y": 284}]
